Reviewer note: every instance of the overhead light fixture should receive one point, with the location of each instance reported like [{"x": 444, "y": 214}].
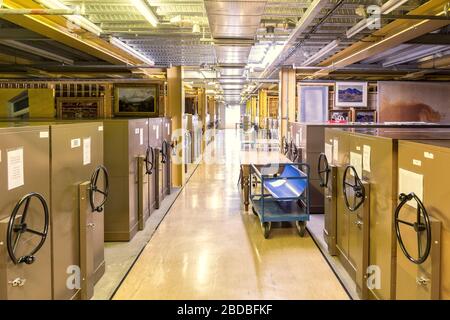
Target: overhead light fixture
[
  {"x": 143, "y": 9},
  {"x": 323, "y": 52},
  {"x": 414, "y": 54},
  {"x": 122, "y": 45},
  {"x": 386, "y": 8},
  {"x": 76, "y": 19}
]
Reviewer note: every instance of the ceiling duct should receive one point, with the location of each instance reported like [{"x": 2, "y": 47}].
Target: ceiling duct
[{"x": 233, "y": 26}]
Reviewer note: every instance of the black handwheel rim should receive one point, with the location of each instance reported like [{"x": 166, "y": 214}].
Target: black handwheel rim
[
  {"x": 149, "y": 160},
  {"x": 294, "y": 151},
  {"x": 418, "y": 227},
  {"x": 93, "y": 188},
  {"x": 22, "y": 228},
  {"x": 323, "y": 168},
  {"x": 358, "y": 189},
  {"x": 285, "y": 146},
  {"x": 164, "y": 149}
]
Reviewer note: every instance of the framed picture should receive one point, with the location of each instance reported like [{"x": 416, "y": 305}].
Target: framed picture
[
  {"x": 351, "y": 94},
  {"x": 313, "y": 102},
  {"x": 340, "y": 115},
  {"x": 365, "y": 116},
  {"x": 135, "y": 100}
]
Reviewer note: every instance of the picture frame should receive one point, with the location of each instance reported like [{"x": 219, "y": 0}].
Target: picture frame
[
  {"x": 340, "y": 115},
  {"x": 136, "y": 100},
  {"x": 313, "y": 103},
  {"x": 351, "y": 94},
  {"x": 365, "y": 116}
]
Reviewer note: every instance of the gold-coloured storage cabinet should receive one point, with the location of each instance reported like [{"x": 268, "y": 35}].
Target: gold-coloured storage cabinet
[
  {"x": 373, "y": 154},
  {"x": 24, "y": 179},
  {"x": 422, "y": 169},
  {"x": 346, "y": 225},
  {"x": 166, "y": 154},
  {"x": 125, "y": 149},
  {"x": 155, "y": 167},
  {"x": 77, "y": 222}
]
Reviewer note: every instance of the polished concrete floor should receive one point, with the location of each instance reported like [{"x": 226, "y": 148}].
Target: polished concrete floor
[{"x": 208, "y": 247}]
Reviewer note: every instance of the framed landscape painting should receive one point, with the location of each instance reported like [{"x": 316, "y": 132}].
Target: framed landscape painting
[
  {"x": 136, "y": 101},
  {"x": 351, "y": 94}
]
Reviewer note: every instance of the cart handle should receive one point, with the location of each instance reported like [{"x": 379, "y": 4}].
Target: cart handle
[{"x": 271, "y": 176}]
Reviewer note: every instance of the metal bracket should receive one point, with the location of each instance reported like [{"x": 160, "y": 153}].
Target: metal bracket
[{"x": 17, "y": 282}]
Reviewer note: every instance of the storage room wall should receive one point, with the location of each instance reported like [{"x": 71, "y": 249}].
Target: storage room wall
[{"x": 41, "y": 101}]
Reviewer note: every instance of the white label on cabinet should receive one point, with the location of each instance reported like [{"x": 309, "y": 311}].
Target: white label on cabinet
[
  {"x": 356, "y": 161},
  {"x": 15, "y": 168},
  {"x": 329, "y": 151},
  {"x": 141, "y": 136},
  {"x": 358, "y": 148},
  {"x": 43, "y": 134},
  {"x": 136, "y": 131},
  {"x": 75, "y": 143},
  {"x": 428, "y": 155},
  {"x": 335, "y": 150},
  {"x": 408, "y": 182},
  {"x": 366, "y": 158},
  {"x": 417, "y": 162},
  {"x": 100, "y": 128},
  {"x": 86, "y": 151},
  {"x": 157, "y": 132}
]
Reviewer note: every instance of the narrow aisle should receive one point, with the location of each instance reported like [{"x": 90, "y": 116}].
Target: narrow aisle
[{"x": 207, "y": 247}]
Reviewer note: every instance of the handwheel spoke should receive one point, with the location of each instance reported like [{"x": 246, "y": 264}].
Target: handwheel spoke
[
  {"x": 25, "y": 210},
  {"x": 405, "y": 222},
  {"x": 96, "y": 177},
  {"x": 16, "y": 241},
  {"x": 36, "y": 232},
  {"x": 101, "y": 191}
]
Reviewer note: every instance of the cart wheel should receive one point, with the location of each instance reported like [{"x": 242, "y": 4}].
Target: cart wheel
[
  {"x": 301, "y": 227},
  {"x": 254, "y": 211},
  {"x": 266, "y": 228}
]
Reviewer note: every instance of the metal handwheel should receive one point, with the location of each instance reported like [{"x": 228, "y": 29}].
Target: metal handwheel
[
  {"x": 149, "y": 160},
  {"x": 285, "y": 146},
  {"x": 93, "y": 188},
  {"x": 357, "y": 187},
  {"x": 15, "y": 231},
  {"x": 323, "y": 168},
  {"x": 422, "y": 224},
  {"x": 164, "y": 151},
  {"x": 294, "y": 151}
]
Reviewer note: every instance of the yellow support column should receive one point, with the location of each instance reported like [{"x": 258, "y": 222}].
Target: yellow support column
[
  {"x": 175, "y": 110},
  {"x": 287, "y": 99},
  {"x": 254, "y": 104},
  {"x": 263, "y": 108}
]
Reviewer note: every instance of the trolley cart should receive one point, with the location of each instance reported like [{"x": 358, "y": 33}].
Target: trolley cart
[{"x": 280, "y": 193}]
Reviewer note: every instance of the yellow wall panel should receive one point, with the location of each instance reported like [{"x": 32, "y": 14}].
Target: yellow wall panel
[{"x": 41, "y": 101}]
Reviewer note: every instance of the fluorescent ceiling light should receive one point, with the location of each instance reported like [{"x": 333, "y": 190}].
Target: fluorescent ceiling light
[
  {"x": 143, "y": 9},
  {"x": 386, "y": 8},
  {"x": 122, "y": 45},
  {"x": 77, "y": 19},
  {"x": 323, "y": 52},
  {"x": 36, "y": 51},
  {"x": 415, "y": 54}
]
